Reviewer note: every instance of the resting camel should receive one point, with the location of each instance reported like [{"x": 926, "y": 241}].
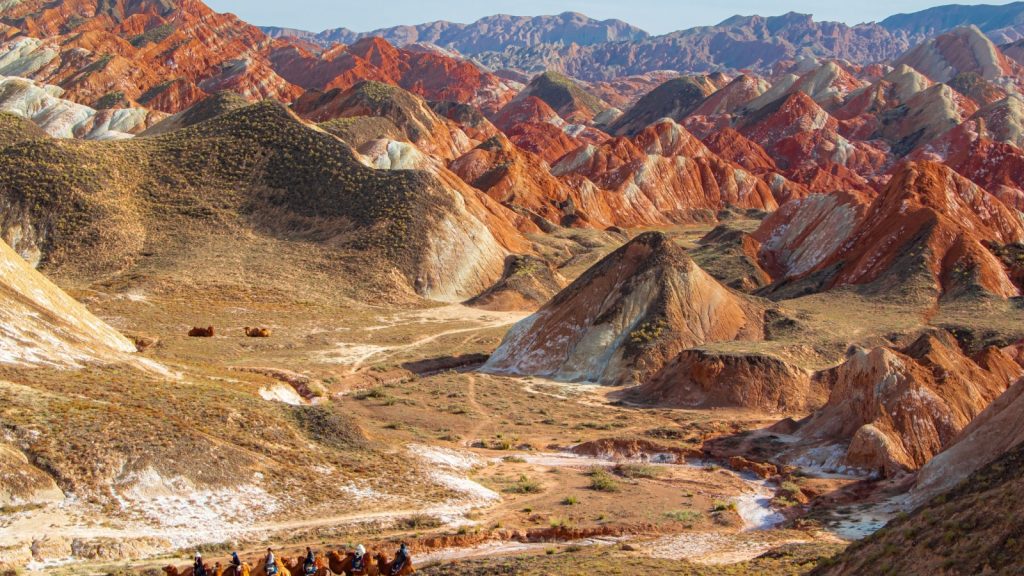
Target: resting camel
[
  {"x": 257, "y": 332},
  {"x": 201, "y": 332},
  {"x": 342, "y": 564},
  {"x": 384, "y": 567}
]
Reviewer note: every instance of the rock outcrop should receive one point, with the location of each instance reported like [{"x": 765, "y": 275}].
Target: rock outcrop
[
  {"x": 892, "y": 410},
  {"x": 40, "y": 325},
  {"x": 705, "y": 378},
  {"x": 623, "y": 319}
]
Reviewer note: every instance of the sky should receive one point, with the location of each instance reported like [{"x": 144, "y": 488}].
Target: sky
[{"x": 655, "y": 16}]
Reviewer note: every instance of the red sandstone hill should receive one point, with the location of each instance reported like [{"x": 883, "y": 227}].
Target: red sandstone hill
[
  {"x": 432, "y": 134},
  {"x": 169, "y": 54},
  {"x": 928, "y": 228},
  {"x": 624, "y": 318},
  {"x": 805, "y": 142},
  {"x": 664, "y": 174},
  {"x": 893, "y": 410},
  {"x": 701, "y": 379},
  {"x": 142, "y": 49}
]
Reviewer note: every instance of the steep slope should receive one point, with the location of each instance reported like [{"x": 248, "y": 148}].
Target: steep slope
[
  {"x": 961, "y": 51},
  {"x": 15, "y": 129},
  {"x": 527, "y": 283},
  {"x": 704, "y": 379},
  {"x": 165, "y": 55},
  {"x": 929, "y": 22},
  {"x": 971, "y": 529},
  {"x": 207, "y": 109},
  {"x": 421, "y": 125},
  {"x": 982, "y": 155},
  {"x": 740, "y": 42},
  {"x": 806, "y": 144},
  {"x": 521, "y": 181},
  {"x": 429, "y": 74},
  {"x": 40, "y": 325},
  {"x": 991, "y": 434},
  {"x": 65, "y": 119},
  {"x": 674, "y": 99},
  {"x": 733, "y": 96},
  {"x": 663, "y": 174},
  {"x": 624, "y": 318},
  {"x": 924, "y": 234},
  {"x": 253, "y": 170},
  {"x": 566, "y": 97},
  {"x": 893, "y": 410}
]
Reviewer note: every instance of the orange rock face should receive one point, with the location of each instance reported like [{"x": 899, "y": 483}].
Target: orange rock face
[
  {"x": 168, "y": 55},
  {"x": 663, "y": 174},
  {"x": 893, "y": 410},
  {"x": 625, "y": 317},
  {"x": 929, "y": 223},
  {"x": 697, "y": 378}
]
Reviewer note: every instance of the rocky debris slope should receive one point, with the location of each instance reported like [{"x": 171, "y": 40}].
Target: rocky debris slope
[
  {"x": 973, "y": 528},
  {"x": 40, "y": 325},
  {"x": 624, "y": 318},
  {"x": 705, "y": 379},
  {"x": 993, "y": 433},
  {"x": 892, "y": 410}
]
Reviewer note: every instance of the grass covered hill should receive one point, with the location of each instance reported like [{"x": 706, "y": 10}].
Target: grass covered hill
[{"x": 95, "y": 209}]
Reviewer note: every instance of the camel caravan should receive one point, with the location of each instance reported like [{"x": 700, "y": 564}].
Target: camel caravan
[{"x": 359, "y": 562}]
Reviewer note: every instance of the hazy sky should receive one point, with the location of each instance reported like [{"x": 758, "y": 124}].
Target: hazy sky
[{"x": 656, "y": 16}]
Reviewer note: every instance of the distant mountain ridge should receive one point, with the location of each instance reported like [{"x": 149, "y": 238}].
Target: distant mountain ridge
[
  {"x": 593, "y": 50},
  {"x": 493, "y": 33}
]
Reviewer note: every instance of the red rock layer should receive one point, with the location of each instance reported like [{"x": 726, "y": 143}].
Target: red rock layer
[{"x": 893, "y": 410}]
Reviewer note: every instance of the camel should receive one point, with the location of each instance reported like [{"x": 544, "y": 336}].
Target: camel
[
  {"x": 245, "y": 570},
  {"x": 298, "y": 567},
  {"x": 261, "y": 569},
  {"x": 342, "y": 564},
  {"x": 257, "y": 332},
  {"x": 384, "y": 567},
  {"x": 201, "y": 332},
  {"x": 173, "y": 570}
]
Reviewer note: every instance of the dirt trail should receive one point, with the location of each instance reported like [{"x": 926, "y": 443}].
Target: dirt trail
[
  {"x": 484, "y": 417},
  {"x": 358, "y": 355}
]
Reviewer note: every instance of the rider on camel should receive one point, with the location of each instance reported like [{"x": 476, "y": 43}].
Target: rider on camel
[
  {"x": 359, "y": 562},
  {"x": 309, "y": 566},
  {"x": 198, "y": 569},
  {"x": 236, "y": 563},
  {"x": 402, "y": 558},
  {"x": 271, "y": 563}
]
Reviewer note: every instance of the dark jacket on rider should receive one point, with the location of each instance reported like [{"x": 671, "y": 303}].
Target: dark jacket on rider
[{"x": 401, "y": 559}]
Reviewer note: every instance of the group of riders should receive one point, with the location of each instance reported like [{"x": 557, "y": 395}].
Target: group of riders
[{"x": 360, "y": 563}]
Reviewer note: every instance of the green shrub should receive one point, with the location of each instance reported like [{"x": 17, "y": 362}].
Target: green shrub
[{"x": 602, "y": 481}]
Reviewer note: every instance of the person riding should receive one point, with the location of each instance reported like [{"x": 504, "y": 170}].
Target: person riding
[
  {"x": 198, "y": 569},
  {"x": 271, "y": 563},
  {"x": 236, "y": 564},
  {"x": 359, "y": 562},
  {"x": 309, "y": 566},
  {"x": 401, "y": 559}
]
